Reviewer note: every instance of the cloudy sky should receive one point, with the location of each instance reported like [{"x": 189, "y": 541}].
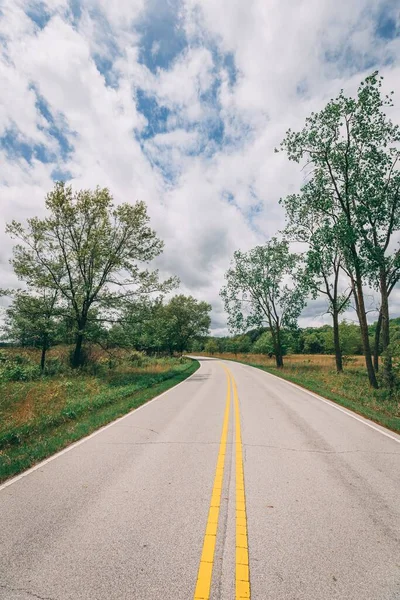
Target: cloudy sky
[{"x": 180, "y": 104}]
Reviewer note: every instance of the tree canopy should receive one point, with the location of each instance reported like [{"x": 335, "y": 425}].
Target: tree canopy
[
  {"x": 91, "y": 251},
  {"x": 263, "y": 286}
]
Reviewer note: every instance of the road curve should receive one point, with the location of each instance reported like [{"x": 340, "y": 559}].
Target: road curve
[{"x": 231, "y": 466}]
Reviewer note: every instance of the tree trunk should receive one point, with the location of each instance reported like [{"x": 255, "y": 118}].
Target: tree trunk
[
  {"x": 44, "y": 350},
  {"x": 278, "y": 349},
  {"x": 336, "y": 342},
  {"x": 377, "y": 342},
  {"x": 387, "y": 359},
  {"x": 362, "y": 317},
  {"x": 77, "y": 356}
]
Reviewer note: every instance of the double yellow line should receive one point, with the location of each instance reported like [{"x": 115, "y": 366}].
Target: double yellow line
[{"x": 242, "y": 576}]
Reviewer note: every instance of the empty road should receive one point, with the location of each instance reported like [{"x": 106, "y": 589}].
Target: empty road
[{"x": 234, "y": 484}]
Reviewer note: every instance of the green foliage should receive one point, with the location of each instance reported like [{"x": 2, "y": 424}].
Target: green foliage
[
  {"x": 350, "y": 337},
  {"x": 185, "y": 319},
  {"x": 158, "y": 327},
  {"x": 15, "y": 367},
  {"x": 312, "y": 344},
  {"x": 310, "y": 340},
  {"x": 211, "y": 347},
  {"x": 137, "y": 358},
  {"x": 352, "y": 199},
  {"x": 22, "y": 445},
  {"x": 55, "y": 366},
  {"x": 393, "y": 353},
  {"x": 264, "y": 344},
  {"x": 198, "y": 345},
  {"x": 90, "y": 251},
  {"x": 257, "y": 291}
]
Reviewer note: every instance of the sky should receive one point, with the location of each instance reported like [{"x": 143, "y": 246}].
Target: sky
[{"x": 179, "y": 104}]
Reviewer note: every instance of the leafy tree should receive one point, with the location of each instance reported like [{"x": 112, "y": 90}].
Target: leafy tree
[
  {"x": 352, "y": 147},
  {"x": 231, "y": 346},
  {"x": 91, "y": 250},
  {"x": 186, "y": 319},
  {"x": 257, "y": 291},
  {"x": 350, "y": 336},
  {"x": 158, "y": 327},
  {"x": 264, "y": 344},
  {"x": 393, "y": 278},
  {"x": 31, "y": 320},
  {"x": 243, "y": 344},
  {"x": 324, "y": 260},
  {"x": 211, "y": 347},
  {"x": 142, "y": 325},
  {"x": 198, "y": 345},
  {"x": 313, "y": 343}
]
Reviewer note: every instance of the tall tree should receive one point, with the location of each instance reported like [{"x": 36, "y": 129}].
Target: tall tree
[
  {"x": 352, "y": 147},
  {"x": 258, "y": 291},
  {"x": 306, "y": 223},
  {"x": 96, "y": 246}
]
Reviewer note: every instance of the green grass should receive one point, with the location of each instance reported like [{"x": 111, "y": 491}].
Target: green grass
[
  {"x": 87, "y": 403},
  {"x": 349, "y": 389}
]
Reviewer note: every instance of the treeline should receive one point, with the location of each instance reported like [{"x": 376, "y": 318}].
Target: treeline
[
  {"x": 86, "y": 276},
  {"x": 347, "y": 217},
  {"x": 309, "y": 340}
]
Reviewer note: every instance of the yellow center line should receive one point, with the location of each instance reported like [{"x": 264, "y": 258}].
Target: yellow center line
[
  {"x": 203, "y": 584},
  {"x": 242, "y": 577}
]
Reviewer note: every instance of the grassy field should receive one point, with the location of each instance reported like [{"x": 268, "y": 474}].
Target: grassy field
[
  {"x": 316, "y": 372},
  {"x": 41, "y": 416}
]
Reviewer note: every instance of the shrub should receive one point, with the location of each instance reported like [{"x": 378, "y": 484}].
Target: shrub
[
  {"x": 85, "y": 356},
  {"x": 4, "y": 356},
  {"x": 211, "y": 347},
  {"x": 11, "y": 371},
  {"x": 54, "y": 366},
  {"x": 137, "y": 358},
  {"x": 20, "y": 359}
]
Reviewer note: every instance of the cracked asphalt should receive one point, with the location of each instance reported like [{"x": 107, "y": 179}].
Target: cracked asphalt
[{"x": 123, "y": 515}]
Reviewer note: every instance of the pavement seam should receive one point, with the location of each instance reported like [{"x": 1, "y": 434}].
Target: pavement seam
[{"x": 14, "y": 589}]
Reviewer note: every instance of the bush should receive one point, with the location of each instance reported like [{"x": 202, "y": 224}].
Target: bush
[
  {"x": 4, "y": 356},
  {"x": 54, "y": 366},
  {"x": 211, "y": 347},
  {"x": 20, "y": 359},
  {"x": 136, "y": 358},
  {"x": 12, "y": 371},
  {"x": 85, "y": 356}
]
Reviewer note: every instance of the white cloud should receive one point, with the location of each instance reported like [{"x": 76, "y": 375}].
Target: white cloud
[{"x": 222, "y": 190}]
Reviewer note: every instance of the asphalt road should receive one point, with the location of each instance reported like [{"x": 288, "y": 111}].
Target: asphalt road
[{"x": 126, "y": 513}]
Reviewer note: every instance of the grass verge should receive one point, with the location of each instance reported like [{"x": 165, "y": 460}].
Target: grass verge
[
  {"x": 22, "y": 446},
  {"x": 349, "y": 389}
]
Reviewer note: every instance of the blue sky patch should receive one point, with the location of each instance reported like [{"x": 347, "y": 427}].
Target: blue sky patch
[
  {"x": 105, "y": 68},
  {"x": 387, "y": 27},
  {"x": 156, "y": 114},
  {"x": 230, "y": 66},
  {"x": 75, "y": 7},
  {"x": 16, "y": 148},
  {"x": 61, "y": 132},
  {"x": 59, "y": 174},
  {"x": 162, "y": 39},
  {"x": 38, "y": 13}
]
